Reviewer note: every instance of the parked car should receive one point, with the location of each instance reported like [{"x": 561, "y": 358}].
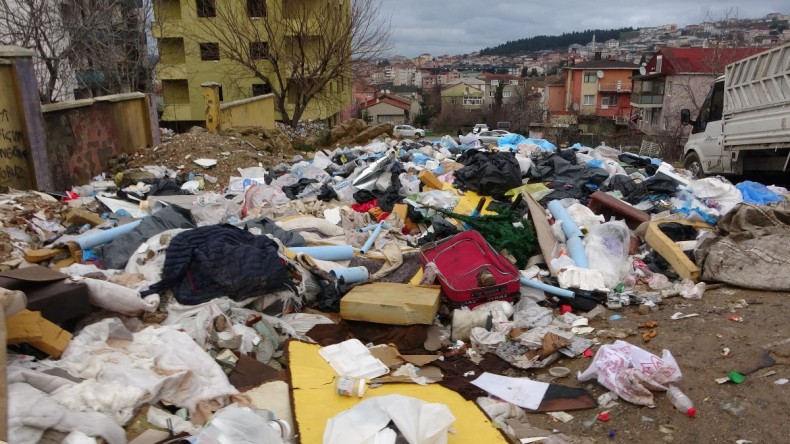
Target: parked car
[
  {"x": 489, "y": 137},
  {"x": 408, "y": 131},
  {"x": 503, "y": 126},
  {"x": 480, "y": 127},
  {"x": 502, "y": 132}
]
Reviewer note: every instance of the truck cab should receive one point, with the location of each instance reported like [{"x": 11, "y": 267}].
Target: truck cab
[
  {"x": 703, "y": 153},
  {"x": 744, "y": 122}
]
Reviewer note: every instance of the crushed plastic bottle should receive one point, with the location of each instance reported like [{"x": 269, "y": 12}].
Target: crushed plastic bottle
[{"x": 681, "y": 401}]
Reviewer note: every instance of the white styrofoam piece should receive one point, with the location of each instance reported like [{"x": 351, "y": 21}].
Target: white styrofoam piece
[
  {"x": 581, "y": 278},
  {"x": 351, "y": 358}
]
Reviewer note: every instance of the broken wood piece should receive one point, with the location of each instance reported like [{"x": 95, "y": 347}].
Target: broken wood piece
[
  {"x": 78, "y": 216},
  {"x": 429, "y": 179},
  {"x": 390, "y": 303},
  {"x": 43, "y": 254},
  {"x": 31, "y": 328},
  {"x": 24, "y": 327},
  {"x": 670, "y": 251}
]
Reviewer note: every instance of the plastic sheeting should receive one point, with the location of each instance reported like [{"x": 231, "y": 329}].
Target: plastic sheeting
[
  {"x": 757, "y": 193},
  {"x": 124, "y": 370},
  {"x": 116, "y": 254},
  {"x": 607, "y": 248},
  {"x": 418, "y": 421}
]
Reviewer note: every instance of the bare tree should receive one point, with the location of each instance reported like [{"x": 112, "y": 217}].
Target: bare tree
[
  {"x": 524, "y": 108},
  {"x": 301, "y": 50},
  {"x": 102, "y": 39}
]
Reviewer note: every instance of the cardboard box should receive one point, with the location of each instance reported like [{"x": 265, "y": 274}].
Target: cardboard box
[{"x": 389, "y": 303}]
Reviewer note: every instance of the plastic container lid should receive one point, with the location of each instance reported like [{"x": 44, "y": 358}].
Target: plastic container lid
[
  {"x": 351, "y": 358},
  {"x": 692, "y": 412}
]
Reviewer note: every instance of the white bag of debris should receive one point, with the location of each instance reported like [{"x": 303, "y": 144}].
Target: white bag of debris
[
  {"x": 631, "y": 372},
  {"x": 607, "y": 246}
]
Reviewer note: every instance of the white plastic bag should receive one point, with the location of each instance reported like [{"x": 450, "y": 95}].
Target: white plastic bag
[
  {"x": 239, "y": 425},
  {"x": 607, "y": 248},
  {"x": 632, "y": 372}
]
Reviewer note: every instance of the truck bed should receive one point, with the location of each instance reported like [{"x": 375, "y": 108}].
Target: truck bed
[{"x": 757, "y": 101}]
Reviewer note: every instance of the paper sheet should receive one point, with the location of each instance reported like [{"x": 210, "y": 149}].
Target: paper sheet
[{"x": 522, "y": 392}]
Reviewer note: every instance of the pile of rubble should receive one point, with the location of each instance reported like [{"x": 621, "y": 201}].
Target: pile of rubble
[{"x": 430, "y": 282}]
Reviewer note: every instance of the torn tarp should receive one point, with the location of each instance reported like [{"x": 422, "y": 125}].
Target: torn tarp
[{"x": 488, "y": 174}]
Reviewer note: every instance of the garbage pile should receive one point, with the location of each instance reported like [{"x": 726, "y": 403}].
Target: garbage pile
[{"x": 421, "y": 278}]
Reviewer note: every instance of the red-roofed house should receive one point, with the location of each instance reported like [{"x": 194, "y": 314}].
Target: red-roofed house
[
  {"x": 390, "y": 108},
  {"x": 677, "y": 78}
]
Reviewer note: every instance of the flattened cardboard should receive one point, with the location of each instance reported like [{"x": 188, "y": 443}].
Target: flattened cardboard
[{"x": 546, "y": 240}]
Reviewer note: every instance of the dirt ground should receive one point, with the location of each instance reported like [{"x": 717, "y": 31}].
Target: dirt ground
[{"x": 756, "y": 410}]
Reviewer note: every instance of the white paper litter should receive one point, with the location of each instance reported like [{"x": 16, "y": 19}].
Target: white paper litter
[
  {"x": 351, "y": 358},
  {"x": 522, "y": 392}
]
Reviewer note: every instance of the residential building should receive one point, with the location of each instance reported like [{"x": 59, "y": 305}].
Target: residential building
[
  {"x": 189, "y": 57},
  {"x": 677, "y": 78},
  {"x": 511, "y": 85},
  {"x": 461, "y": 93},
  {"x": 390, "y": 108},
  {"x": 599, "y": 89}
]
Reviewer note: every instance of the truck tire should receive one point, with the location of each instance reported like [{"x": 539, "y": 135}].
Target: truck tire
[{"x": 693, "y": 164}]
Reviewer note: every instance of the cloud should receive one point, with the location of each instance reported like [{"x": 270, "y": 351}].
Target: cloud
[{"x": 464, "y": 26}]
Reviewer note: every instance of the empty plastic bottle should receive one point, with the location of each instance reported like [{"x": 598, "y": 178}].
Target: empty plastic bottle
[{"x": 681, "y": 401}]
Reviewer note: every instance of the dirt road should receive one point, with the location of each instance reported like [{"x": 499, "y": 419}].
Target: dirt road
[{"x": 758, "y": 410}]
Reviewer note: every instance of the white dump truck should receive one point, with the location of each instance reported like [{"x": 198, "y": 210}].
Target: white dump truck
[{"x": 744, "y": 123}]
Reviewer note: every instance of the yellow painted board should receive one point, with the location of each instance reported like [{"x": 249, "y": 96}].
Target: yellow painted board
[
  {"x": 24, "y": 327},
  {"x": 467, "y": 203},
  {"x": 315, "y": 400},
  {"x": 671, "y": 252},
  {"x": 391, "y": 303}
]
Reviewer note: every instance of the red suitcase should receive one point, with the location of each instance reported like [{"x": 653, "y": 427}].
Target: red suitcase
[{"x": 470, "y": 271}]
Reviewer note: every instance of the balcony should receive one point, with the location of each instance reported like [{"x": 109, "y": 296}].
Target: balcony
[
  {"x": 171, "y": 71},
  {"x": 177, "y": 112},
  {"x": 647, "y": 99},
  {"x": 168, "y": 28},
  {"x": 619, "y": 87}
]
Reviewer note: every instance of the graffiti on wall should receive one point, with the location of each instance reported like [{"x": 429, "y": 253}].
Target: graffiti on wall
[{"x": 14, "y": 155}]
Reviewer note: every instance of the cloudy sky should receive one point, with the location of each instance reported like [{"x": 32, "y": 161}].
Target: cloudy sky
[{"x": 462, "y": 26}]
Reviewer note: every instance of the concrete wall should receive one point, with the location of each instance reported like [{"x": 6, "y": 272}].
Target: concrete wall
[
  {"x": 15, "y": 166},
  {"x": 255, "y": 111},
  {"x": 23, "y": 159},
  {"x": 83, "y": 135}
]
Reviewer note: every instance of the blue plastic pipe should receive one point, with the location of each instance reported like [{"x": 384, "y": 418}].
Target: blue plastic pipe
[
  {"x": 90, "y": 240},
  {"x": 351, "y": 275},
  {"x": 576, "y": 251},
  {"x": 328, "y": 253},
  {"x": 561, "y": 292},
  {"x": 559, "y": 212},
  {"x": 572, "y": 232},
  {"x": 372, "y": 238}
]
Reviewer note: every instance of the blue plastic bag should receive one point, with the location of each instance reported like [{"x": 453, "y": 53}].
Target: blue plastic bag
[{"x": 757, "y": 193}]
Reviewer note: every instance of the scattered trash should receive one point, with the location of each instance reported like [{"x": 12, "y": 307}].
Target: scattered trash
[
  {"x": 680, "y": 315},
  {"x": 735, "y": 377},
  {"x": 603, "y": 417},
  {"x": 735, "y": 318},
  {"x": 732, "y": 407},
  {"x": 681, "y": 402},
  {"x": 782, "y": 381},
  {"x": 561, "y": 416}
]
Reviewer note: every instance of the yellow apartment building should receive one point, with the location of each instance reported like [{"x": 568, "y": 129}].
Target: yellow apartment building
[{"x": 190, "y": 56}]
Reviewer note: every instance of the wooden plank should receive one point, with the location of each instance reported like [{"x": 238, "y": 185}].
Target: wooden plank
[
  {"x": 24, "y": 327},
  {"x": 54, "y": 339},
  {"x": 671, "y": 252},
  {"x": 390, "y": 303},
  {"x": 43, "y": 254},
  {"x": 429, "y": 179},
  {"x": 78, "y": 216}
]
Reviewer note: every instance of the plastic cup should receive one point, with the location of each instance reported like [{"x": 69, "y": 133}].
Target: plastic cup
[{"x": 355, "y": 387}]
